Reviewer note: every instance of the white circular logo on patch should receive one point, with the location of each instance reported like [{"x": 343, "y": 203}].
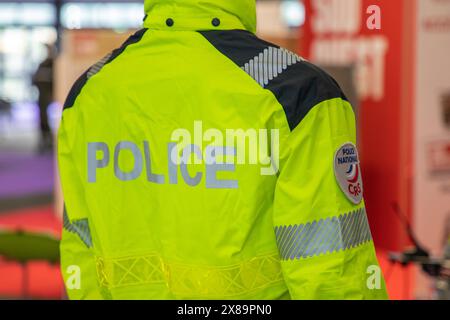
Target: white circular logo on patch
[{"x": 348, "y": 172}]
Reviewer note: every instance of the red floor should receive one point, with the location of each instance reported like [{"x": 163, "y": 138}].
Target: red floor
[
  {"x": 44, "y": 280},
  {"x": 399, "y": 280}
]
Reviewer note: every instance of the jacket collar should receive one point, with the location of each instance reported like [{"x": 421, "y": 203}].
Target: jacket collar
[{"x": 196, "y": 15}]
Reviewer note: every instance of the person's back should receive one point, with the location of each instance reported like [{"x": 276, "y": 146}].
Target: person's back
[{"x": 153, "y": 210}]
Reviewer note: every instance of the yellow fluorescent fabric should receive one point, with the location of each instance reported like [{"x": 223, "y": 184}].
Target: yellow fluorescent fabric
[
  {"x": 157, "y": 234},
  {"x": 198, "y": 14},
  {"x": 310, "y": 193}
]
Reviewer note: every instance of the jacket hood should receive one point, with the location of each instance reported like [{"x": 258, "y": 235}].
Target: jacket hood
[{"x": 198, "y": 14}]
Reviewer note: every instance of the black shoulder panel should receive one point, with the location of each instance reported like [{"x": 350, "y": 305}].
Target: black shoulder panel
[
  {"x": 135, "y": 38},
  {"x": 300, "y": 88},
  {"x": 238, "y": 45},
  {"x": 297, "y": 84},
  {"x": 81, "y": 81},
  {"x": 75, "y": 90}
]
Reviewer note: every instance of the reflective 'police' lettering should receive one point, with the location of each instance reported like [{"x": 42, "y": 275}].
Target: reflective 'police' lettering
[
  {"x": 173, "y": 176},
  {"x": 156, "y": 178},
  {"x": 138, "y": 161},
  {"x": 187, "y": 151},
  {"x": 212, "y": 166},
  {"x": 93, "y": 163}
]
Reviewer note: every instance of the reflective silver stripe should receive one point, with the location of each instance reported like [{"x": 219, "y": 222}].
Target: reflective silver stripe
[
  {"x": 269, "y": 64},
  {"x": 329, "y": 235},
  {"x": 98, "y": 66},
  {"x": 79, "y": 227}
]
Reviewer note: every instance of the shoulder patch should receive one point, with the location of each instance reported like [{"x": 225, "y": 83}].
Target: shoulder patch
[{"x": 348, "y": 172}]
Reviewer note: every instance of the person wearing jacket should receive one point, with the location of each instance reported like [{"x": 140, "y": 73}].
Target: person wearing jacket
[
  {"x": 43, "y": 80},
  {"x": 166, "y": 196}
]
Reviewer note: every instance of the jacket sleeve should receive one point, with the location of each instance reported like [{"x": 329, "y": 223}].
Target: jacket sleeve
[
  {"x": 78, "y": 264},
  {"x": 322, "y": 232}
]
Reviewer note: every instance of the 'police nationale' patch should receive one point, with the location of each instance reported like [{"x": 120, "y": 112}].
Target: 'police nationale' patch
[{"x": 348, "y": 172}]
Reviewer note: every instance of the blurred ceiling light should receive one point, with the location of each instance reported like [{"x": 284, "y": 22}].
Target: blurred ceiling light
[
  {"x": 27, "y": 14},
  {"x": 102, "y": 15},
  {"x": 14, "y": 40},
  {"x": 293, "y": 12},
  {"x": 44, "y": 35},
  {"x": 71, "y": 16}
]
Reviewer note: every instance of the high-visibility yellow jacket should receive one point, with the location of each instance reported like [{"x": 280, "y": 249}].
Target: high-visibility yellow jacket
[{"x": 160, "y": 202}]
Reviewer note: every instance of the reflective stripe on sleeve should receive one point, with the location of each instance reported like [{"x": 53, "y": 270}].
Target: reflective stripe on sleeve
[
  {"x": 329, "y": 235},
  {"x": 79, "y": 227}
]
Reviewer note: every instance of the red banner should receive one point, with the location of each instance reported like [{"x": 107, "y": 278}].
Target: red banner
[{"x": 376, "y": 38}]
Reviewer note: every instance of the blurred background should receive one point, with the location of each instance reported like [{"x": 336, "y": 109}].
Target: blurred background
[{"x": 392, "y": 60}]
